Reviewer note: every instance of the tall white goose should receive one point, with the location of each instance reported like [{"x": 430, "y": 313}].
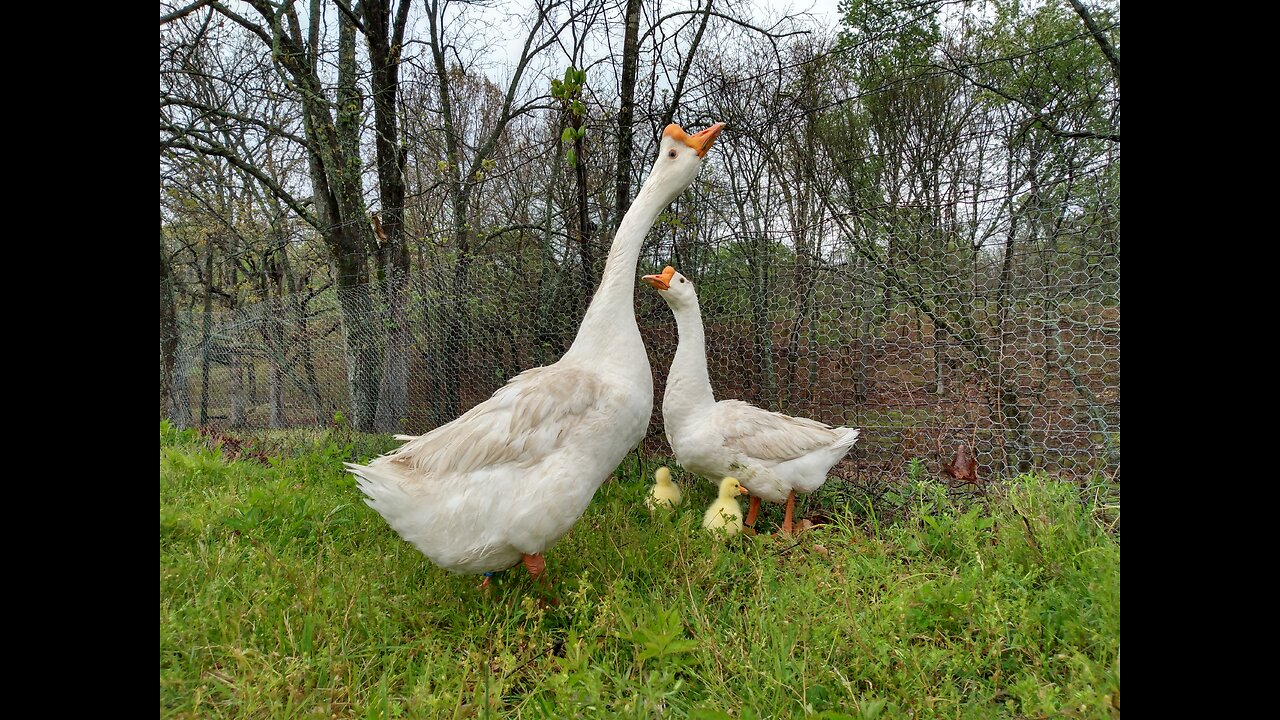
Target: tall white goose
[
  {"x": 773, "y": 455},
  {"x": 507, "y": 479}
]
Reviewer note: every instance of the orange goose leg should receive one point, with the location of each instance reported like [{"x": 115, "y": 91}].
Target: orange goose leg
[
  {"x": 537, "y": 566},
  {"x": 786, "y": 521},
  {"x": 752, "y": 512}
]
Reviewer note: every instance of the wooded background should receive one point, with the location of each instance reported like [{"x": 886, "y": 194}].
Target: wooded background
[{"x": 377, "y": 213}]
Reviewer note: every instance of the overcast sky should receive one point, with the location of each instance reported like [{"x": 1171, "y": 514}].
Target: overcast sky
[{"x": 504, "y": 25}]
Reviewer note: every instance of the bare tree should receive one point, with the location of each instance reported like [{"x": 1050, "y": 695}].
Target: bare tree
[
  {"x": 330, "y": 136},
  {"x": 465, "y": 161},
  {"x": 385, "y": 37},
  {"x": 173, "y": 387}
]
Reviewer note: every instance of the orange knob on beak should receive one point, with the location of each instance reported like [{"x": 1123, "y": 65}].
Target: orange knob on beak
[{"x": 660, "y": 282}]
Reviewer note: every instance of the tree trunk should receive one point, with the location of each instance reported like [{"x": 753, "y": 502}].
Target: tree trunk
[
  {"x": 460, "y": 190},
  {"x": 234, "y": 349},
  {"x": 939, "y": 363},
  {"x": 393, "y": 394},
  {"x": 546, "y": 272},
  {"x": 462, "y": 180},
  {"x": 321, "y": 412},
  {"x": 626, "y": 111},
  {"x": 353, "y": 238},
  {"x": 363, "y": 349},
  {"x": 456, "y": 345},
  {"x": 384, "y": 55},
  {"x": 583, "y": 220},
  {"x": 275, "y": 343},
  {"x": 173, "y": 390},
  {"x": 865, "y": 311},
  {"x": 1005, "y": 375},
  {"x": 251, "y": 379},
  {"x": 237, "y": 366},
  {"x": 803, "y": 278},
  {"x": 860, "y": 386},
  {"x": 275, "y": 382},
  {"x": 206, "y": 331},
  {"x": 434, "y": 351},
  {"x": 762, "y": 327}
]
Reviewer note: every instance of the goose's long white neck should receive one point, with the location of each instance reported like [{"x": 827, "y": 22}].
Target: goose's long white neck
[
  {"x": 688, "y": 384},
  {"x": 611, "y": 316}
]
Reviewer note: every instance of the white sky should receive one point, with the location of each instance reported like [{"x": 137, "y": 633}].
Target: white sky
[{"x": 503, "y": 25}]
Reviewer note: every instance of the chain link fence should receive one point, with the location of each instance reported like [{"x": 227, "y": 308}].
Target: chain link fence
[{"x": 929, "y": 337}]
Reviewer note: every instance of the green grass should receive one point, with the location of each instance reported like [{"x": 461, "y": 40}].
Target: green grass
[{"x": 283, "y": 595}]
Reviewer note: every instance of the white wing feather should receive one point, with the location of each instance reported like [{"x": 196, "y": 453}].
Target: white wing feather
[
  {"x": 511, "y": 475},
  {"x": 769, "y": 436},
  {"x": 524, "y": 423}
]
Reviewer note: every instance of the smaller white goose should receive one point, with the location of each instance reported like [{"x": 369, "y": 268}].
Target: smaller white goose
[{"x": 774, "y": 455}]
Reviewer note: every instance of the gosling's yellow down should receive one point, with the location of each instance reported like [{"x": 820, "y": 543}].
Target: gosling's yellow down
[
  {"x": 724, "y": 517},
  {"x": 664, "y": 493}
]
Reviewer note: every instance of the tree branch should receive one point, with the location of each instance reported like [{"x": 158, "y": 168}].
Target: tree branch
[
  {"x": 183, "y": 12},
  {"x": 527, "y": 53},
  {"x": 351, "y": 16},
  {"x": 212, "y": 147},
  {"x": 244, "y": 23},
  {"x": 513, "y": 228},
  {"x": 722, "y": 16},
  {"x": 167, "y": 100},
  {"x": 1035, "y": 114},
  {"x": 684, "y": 71},
  {"x": 1103, "y": 42}
]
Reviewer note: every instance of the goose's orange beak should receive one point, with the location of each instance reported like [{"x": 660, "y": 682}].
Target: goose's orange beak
[
  {"x": 698, "y": 141},
  {"x": 702, "y": 141},
  {"x": 660, "y": 282}
]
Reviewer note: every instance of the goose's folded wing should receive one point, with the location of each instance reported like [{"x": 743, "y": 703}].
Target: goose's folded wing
[
  {"x": 526, "y": 420},
  {"x": 769, "y": 436}
]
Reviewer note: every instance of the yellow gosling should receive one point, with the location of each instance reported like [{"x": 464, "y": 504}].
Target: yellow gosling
[
  {"x": 664, "y": 493},
  {"x": 724, "y": 517}
]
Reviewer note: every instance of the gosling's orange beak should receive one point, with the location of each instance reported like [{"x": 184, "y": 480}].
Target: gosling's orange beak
[
  {"x": 663, "y": 281},
  {"x": 743, "y": 491}
]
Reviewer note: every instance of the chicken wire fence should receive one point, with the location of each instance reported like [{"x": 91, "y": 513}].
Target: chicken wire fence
[{"x": 1006, "y": 340}]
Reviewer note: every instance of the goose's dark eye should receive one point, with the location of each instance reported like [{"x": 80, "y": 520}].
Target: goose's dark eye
[
  {"x": 682, "y": 280},
  {"x": 671, "y": 153}
]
